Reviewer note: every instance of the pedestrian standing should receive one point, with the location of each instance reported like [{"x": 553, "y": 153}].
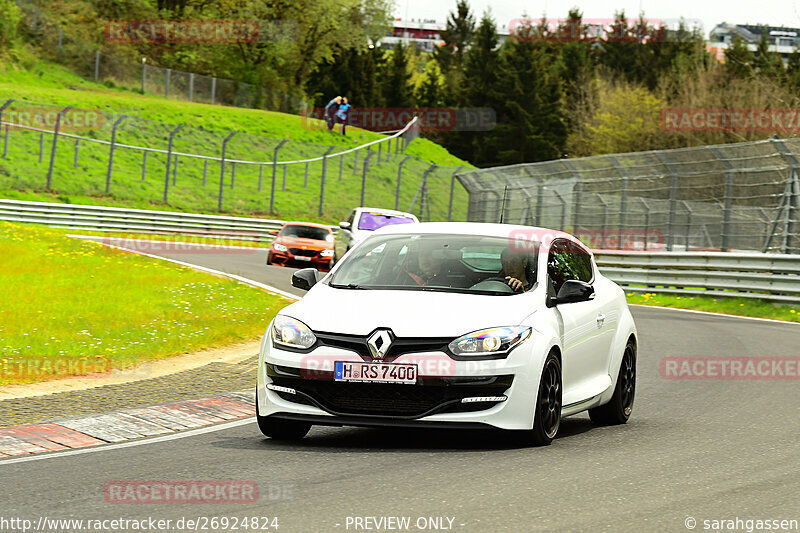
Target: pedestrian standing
[
  {"x": 343, "y": 113},
  {"x": 330, "y": 111}
]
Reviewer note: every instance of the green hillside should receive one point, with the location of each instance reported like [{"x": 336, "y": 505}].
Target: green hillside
[{"x": 22, "y": 175}]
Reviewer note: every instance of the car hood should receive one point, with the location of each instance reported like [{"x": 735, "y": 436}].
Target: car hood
[
  {"x": 310, "y": 244},
  {"x": 406, "y": 313}
]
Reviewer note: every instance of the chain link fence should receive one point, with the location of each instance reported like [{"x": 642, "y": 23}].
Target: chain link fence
[
  {"x": 85, "y": 57},
  {"x": 146, "y": 162},
  {"x": 742, "y": 196}
]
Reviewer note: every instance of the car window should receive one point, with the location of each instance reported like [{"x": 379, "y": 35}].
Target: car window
[
  {"x": 372, "y": 221},
  {"x": 566, "y": 261},
  {"x": 306, "y": 232},
  {"x": 447, "y": 263}
]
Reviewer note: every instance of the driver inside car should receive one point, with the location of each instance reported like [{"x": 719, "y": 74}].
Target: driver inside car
[{"x": 515, "y": 270}]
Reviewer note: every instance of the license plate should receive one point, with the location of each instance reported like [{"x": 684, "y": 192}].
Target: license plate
[
  {"x": 375, "y": 372},
  {"x": 302, "y": 258}
]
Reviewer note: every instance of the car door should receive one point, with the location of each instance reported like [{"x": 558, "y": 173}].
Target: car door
[{"x": 584, "y": 359}]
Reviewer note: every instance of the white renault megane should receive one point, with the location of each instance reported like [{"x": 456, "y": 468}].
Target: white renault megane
[{"x": 451, "y": 325}]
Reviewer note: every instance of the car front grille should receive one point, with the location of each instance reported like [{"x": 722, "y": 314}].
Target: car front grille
[
  {"x": 304, "y": 253},
  {"x": 426, "y": 397}
]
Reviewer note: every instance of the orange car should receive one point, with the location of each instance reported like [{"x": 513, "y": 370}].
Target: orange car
[{"x": 302, "y": 244}]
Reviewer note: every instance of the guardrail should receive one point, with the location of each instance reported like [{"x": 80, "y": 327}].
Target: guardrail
[
  {"x": 98, "y": 218},
  {"x": 770, "y": 277}
]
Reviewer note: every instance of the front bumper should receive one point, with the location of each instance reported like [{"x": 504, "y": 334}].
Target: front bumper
[
  {"x": 436, "y": 399},
  {"x": 291, "y": 260}
]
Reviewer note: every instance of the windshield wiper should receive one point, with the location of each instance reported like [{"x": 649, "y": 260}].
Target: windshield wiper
[{"x": 350, "y": 286}]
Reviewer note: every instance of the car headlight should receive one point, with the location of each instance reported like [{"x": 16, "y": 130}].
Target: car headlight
[
  {"x": 279, "y": 247},
  {"x": 492, "y": 341},
  {"x": 327, "y": 253},
  {"x": 291, "y": 332}
]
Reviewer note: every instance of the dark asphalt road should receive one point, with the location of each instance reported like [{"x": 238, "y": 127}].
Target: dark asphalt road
[{"x": 701, "y": 449}]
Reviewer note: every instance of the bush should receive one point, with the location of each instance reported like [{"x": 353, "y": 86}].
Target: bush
[{"x": 9, "y": 22}]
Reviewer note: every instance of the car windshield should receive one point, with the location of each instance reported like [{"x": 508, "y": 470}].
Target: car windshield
[
  {"x": 306, "y": 232},
  {"x": 446, "y": 263},
  {"x": 373, "y": 221}
]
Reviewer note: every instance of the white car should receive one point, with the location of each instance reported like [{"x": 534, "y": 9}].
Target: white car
[
  {"x": 362, "y": 222},
  {"x": 460, "y": 325}
]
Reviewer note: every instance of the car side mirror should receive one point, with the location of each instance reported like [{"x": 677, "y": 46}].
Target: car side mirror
[
  {"x": 572, "y": 291},
  {"x": 273, "y": 232},
  {"x": 344, "y": 225},
  {"x": 304, "y": 279}
]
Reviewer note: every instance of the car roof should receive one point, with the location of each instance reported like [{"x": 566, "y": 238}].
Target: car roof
[
  {"x": 383, "y": 211},
  {"x": 509, "y": 231},
  {"x": 310, "y": 224}
]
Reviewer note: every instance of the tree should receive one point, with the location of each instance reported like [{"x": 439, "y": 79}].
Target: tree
[
  {"x": 429, "y": 90},
  {"x": 9, "y": 20},
  {"x": 530, "y": 119},
  {"x": 457, "y": 36},
  {"x": 767, "y": 63},
  {"x": 396, "y": 88},
  {"x": 739, "y": 59}
]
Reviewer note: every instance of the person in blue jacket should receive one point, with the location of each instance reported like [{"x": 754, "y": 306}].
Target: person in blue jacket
[
  {"x": 330, "y": 111},
  {"x": 342, "y": 113}
]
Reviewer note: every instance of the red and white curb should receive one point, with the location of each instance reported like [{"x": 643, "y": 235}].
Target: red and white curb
[{"x": 125, "y": 425}]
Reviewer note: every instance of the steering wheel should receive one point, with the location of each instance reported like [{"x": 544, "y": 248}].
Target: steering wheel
[{"x": 493, "y": 284}]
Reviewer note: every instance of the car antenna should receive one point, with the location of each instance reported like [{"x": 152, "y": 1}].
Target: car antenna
[{"x": 503, "y": 207}]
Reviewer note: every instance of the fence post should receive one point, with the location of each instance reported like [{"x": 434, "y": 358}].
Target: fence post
[
  {"x": 792, "y": 196},
  {"x": 539, "y": 196},
  {"x": 191, "y": 85},
  {"x": 274, "y": 174},
  {"x": 399, "y": 180},
  {"x": 305, "y": 182},
  {"x": 144, "y": 73},
  {"x": 75, "y": 157},
  {"x": 222, "y": 169},
  {"x": 364, "y": 176},
  {"x": 421, "y": 189},
  {"x": 3, "y": 108},
  {"x": 322, "y": 181},
  {"x": 166, "y": 83},
  {"x": 673, "y": 199},
  {"x": 169, "y": 160},
  {"x": 41, "y": 147},
  {"x": 55, "y": 141},
  {"x": 260, "y": 176},
  {"x": 96, "y": 65},
  {"x": 111, "y": 151},
  {"x": 60, "y": 38},
  {"x": 283, "y": 184},
  {"x": 341, "y": 166},
  {"x": 205, "y": 171},
  {"x": 728, "y": 199},
  {"x": 213, "y": 89},
  {"x": 452, "y": 190},
  {"x": 355, "y": 162},
  {"x": 380, "y": 145},
  {"x": 144, "y": 165}
]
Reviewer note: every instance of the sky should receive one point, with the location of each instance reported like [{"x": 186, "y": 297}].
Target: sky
[{"x": 708, "y": 12}]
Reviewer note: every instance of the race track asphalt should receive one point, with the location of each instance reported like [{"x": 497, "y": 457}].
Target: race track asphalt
[{"x": 702, "y": 450}]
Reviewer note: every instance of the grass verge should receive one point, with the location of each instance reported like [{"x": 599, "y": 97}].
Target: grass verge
[
  {"x": 730, "y": 306},
  {"x": 73, "y": 307}
]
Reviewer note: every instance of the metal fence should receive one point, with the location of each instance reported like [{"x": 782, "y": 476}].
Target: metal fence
[
  {"x": 740, "y": 196},
  {"x": 88, "y": 152},
  {"x": 772, "y": 277},
  {"x": 87, "y": 59}
]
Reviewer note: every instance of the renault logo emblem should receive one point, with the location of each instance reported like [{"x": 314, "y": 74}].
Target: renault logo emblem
[{"x": 379, "y": 342}]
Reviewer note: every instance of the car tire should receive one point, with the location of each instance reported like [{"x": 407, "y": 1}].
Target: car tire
[
  {"x": 618, "y": 410},
  {"x": 281, "y": 429},
  {"x": 269, "y": 258},
  {"x": 547, "y": 418}
]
